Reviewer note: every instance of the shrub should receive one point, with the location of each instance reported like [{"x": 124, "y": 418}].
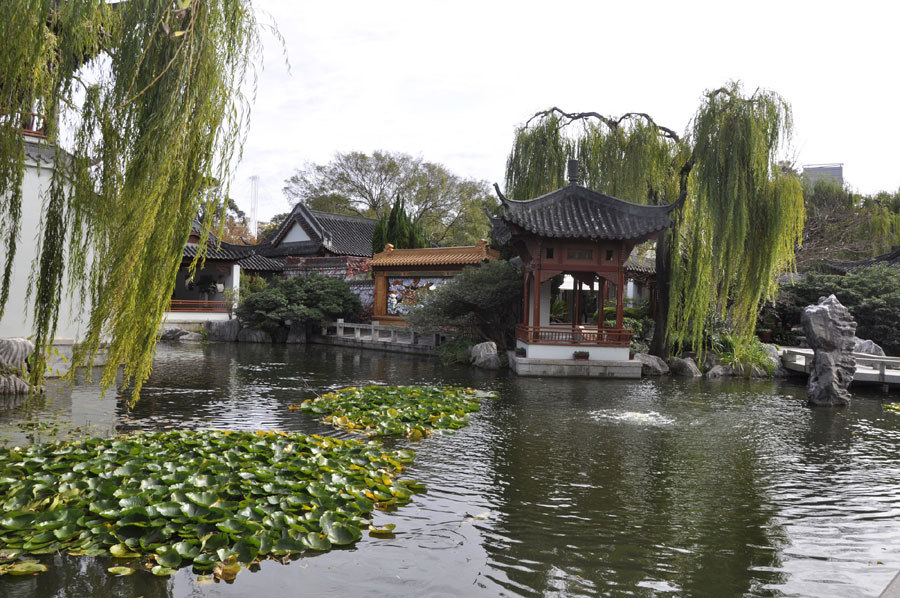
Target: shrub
[
  {"x": 309, "y": 300},
  {"x": 480, "y": 303}
]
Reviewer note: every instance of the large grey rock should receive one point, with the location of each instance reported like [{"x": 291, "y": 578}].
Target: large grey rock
[
  {"x": 13, "y": 385},
  {"x": 191, "y": 336},
  {"x": 720, "y": 371},
  {"x": 830, "y": 332},
  {"x": 866, "y": 346},
  {"x": 222, "y": 330},
  {"x": 14, "y": 352},
  {"x": 686, "y": 367},
  {"x": 296, "y": 334},
  {"x": 253, "y": 335},
  {"x": 172, "y": 333},
  {"x": 651, "y": 365},
  {"x": 484, "y": 355}
]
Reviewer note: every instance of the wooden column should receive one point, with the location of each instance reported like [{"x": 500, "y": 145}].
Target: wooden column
[
  {"x": 604, "y": 293},
  {"x": 536, "y": 314},
  {"x": 525, "y": 296},
  {"x": 620, "y": 296}
]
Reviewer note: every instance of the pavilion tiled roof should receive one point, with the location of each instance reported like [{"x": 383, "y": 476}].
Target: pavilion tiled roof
[
  {"x": 436, "y": 256},
  {"x": 576, "y": 212}
]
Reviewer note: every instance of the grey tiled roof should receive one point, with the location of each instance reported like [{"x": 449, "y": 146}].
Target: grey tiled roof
[
  {"x": 576, "y": 212},
  {"x": 261, "y": 263},
  {"x": 347, "y": 235},
  {"x": 226, "y": 253}
]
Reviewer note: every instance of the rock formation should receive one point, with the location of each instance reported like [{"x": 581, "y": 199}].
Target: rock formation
[
  {"x": 686, "y": 367},
  {"x": 830, "y": 332},
  {"x": 651, "y": 365},
  {"x": 484, "y": 355},
  {"x": 13, "y": 355}
]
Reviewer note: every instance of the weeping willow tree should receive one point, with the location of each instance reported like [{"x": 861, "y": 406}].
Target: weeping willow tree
[
  {"x": 142, "y": 102},
  {"x": 740, "y": 218}
]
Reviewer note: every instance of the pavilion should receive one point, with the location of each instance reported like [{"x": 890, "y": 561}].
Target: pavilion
[{"x": 589, "y": 236}]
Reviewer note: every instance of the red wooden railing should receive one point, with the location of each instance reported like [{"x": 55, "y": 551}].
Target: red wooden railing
[
  {"x": 199, "y": 305},
  {"x": 559, "y": 335},
  {"x": 29, "y": 123}
]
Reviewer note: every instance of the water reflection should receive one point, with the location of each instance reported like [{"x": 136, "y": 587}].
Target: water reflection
[{"x": 557, "y": 488}]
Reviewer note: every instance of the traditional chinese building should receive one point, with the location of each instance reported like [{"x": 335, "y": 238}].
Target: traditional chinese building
[
  {"x": 589, "y": 236},
  {"x": 402, "y": 276}
]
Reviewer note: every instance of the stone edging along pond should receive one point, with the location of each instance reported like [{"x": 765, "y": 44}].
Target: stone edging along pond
[{"x": 219, "y": 500}]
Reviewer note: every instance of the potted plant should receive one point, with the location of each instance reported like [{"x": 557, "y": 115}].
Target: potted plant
[
  {"x": 580, "y": 355},
  {"x": 520, "y": 351}
]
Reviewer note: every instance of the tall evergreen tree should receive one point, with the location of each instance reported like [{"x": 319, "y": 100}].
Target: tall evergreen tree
[
  {"x": 397, "y": 229},
  {"x": 741, "y": 217}
]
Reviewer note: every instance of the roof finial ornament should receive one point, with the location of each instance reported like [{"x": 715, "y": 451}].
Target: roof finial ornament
[{"x": 573, "y": 171}]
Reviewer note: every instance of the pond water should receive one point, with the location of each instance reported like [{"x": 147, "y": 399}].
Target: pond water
[{"x": 557, "y": 488}]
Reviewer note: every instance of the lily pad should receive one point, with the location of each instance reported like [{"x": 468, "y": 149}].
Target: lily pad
[{"x": 121, "y": 571}]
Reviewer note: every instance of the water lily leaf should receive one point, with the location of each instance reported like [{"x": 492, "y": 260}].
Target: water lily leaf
[
  {"x": 227, "y": 570},
  {"x": 187, "y": 550},
  {"x": 121, "y": 551},
  {"x": 315, "y": 541},
  {"x": 384, "y": 530},
  {"x": 203, "y": 499},
  {"x": 343, "y": 534},
  {"x": 121, "y": 571},
  {"x": 232, "y": 526},
  {"x": 23, "y": 568},
  {"x": 167, "y": 556},
  {"x": 168, "y": 509},
  {"x": 161, "y": 571},
  {"x": 246, "y": 550},
  {"x": 214, "y": 541},
  {"x": 204, "y": 562}
]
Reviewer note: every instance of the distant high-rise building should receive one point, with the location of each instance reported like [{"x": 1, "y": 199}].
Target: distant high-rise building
[{"x": 820, "y": 172}]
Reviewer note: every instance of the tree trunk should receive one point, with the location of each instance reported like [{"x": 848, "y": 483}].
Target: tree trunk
[{"x": 660, "y": 345}]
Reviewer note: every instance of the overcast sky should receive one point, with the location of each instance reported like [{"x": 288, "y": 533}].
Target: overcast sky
[{"x": 449, "y": 81}]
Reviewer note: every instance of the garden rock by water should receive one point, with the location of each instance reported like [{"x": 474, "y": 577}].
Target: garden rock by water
[
  {"x": 720, "y": 371},
  {"x": 686, "y": 367},
  {"x": 222, "y": 330},
  {"x": 254, "y": 335},
  {"x": 829, "y": 330},
  {"x": 868, "y": 347},
  {"x": 651, "y": 365},
  {"x": 484, "y": 355}
]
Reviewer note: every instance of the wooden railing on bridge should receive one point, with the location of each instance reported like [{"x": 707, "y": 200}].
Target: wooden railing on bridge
[
  {"x": 196, "y": 305},
  {"x": 580, "y": 335}
]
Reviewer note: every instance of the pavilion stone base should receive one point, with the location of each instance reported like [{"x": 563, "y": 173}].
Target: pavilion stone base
[{"x": 609, "y": 362}]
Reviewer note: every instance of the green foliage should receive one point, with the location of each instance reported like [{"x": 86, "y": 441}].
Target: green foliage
[
  {"x": 209, "y": 499},
  {"x": 872, "y": 295},
  {"x": 741, "y": 353},
  {"x": 457, "y": 350},
  {"x": 479, "y": 303},
  {"x": 313, "y": 299},
  {"x": 742, "y": 216},
  {"x": 745, "y": 218},
  {"x": 447, "y": 208},
  {"x": 410, "y": 411},
  {"x": 397, "y": 229},
  {"x": 155, "y": 117}
]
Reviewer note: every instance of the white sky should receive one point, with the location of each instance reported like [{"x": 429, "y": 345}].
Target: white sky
[{"x": 449, "y": 81}]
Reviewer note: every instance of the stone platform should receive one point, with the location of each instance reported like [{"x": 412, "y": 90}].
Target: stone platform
[{"x": 571, "y": 368}]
